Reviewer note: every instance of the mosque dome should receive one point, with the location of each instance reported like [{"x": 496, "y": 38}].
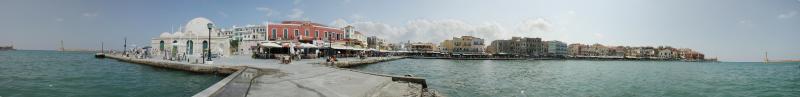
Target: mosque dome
[{"x": 197, "y": 26}]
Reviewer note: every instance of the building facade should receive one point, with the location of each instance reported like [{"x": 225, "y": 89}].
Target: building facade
[
  {"x": 532, "y": 47},
  {"x": 191, "y": 41},
  {"x": 464, "y": 45},
  {"x": 246, "y": 37},
  {"x": 422, "y": 47},
  {"x": 373, "y": 42},
  {"x": 303, "y": 31},
  {"x": 556, "y": 48}
]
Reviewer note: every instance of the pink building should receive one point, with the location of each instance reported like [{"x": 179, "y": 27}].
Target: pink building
[{"x": 303, "y": 31}]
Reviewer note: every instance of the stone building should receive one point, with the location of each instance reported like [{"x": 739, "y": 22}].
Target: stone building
[
  {"x": 519, "y": 46},
  {"x": 192, "y": 40},
  {"x": 464, "y": 45},
  {"x": 422, "y": 47}
]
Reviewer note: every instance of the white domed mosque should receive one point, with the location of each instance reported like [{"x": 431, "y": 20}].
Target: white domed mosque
[{"x": 191, "y": 41}]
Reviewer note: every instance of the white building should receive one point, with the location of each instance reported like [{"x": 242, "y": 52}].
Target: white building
[
  {"x": 191, "y": 41},
  {"x": 665, "y": 53},
  {"x": 247, "y": 37},
  {"x": 355, "y": 36}
]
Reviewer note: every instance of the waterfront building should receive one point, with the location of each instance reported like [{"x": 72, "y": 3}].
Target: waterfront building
[
  {"x": 465, "y": 45},
  {"x": 598, "y": 50},
  {"x": 395, "y": 46},
  {"x": 643, "y": 52},
  {"x": 422, "y": 47},
  {"x": 518, "y": 46},
  {"x": 373, "y": 42},
  {"x": 665, "y": 53},
  {"x": 246, "y": 37},
  {"x": 577, "y": 49},
  {"x": 693, "y": 56},
  {"x": 556, "y": 48},
  {"x": 304, "y": 31},
  {"x": 616, "y": 51},
  {"x": 632, "y": 52},
  {"x": 191, "y": 41},
  {"x": 446, "y": 46},
  {"x": 355, "y": 38},
  {"x": 689, "y": 54},
  {"x": 649, "y": 52}
]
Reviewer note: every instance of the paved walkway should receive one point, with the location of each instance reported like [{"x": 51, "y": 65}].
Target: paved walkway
[
  {"x": 305, "y": 79},
  {"x": 302, "y": 78}
]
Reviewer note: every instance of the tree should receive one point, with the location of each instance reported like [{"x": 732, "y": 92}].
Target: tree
[{"x": 234, "y": 45}]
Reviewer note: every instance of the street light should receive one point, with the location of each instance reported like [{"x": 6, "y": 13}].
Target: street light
[{"x": 208, "y": 55}]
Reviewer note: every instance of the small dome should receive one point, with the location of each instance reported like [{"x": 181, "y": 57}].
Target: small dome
[
  {"x": 165, "y": 34},
  {"x": 177, "y": 34}
]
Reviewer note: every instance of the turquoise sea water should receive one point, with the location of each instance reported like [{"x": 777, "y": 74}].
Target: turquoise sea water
[
  {"x": 579, "y": 78},
  {"x": 79, "y": 74}
]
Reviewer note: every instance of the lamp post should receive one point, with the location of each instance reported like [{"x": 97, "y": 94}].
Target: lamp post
[{"x": 208, "y": 55}]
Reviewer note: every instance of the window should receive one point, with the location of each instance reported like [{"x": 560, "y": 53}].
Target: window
[
  {"x": 285, "y": 33},
  {"x": 161, "y": 45},
  {"x": 189, "y": 47},
  {"x": 296, "y": 33},
  {"x": 274, "y": 33},
  {"x": 307, "y": 32},
  {"x": 327, "y": 34},
  {"x": 316, "y": 34}
]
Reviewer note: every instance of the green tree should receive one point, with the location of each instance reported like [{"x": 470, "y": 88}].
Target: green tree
[{"x": 234, "y": 45}]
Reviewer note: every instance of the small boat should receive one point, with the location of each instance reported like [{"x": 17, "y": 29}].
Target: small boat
[{"x": 99, "y": 55}]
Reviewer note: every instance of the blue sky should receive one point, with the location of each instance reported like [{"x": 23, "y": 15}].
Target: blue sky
[{"x": 733, "y": 30}]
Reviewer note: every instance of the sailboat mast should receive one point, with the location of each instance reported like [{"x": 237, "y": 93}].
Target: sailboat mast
[{"x": 766, "y": 57}]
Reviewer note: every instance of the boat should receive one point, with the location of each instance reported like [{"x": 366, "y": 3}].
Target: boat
[
  {"x": 7, "y": 48},
  {"x": 99, "y": 55}
]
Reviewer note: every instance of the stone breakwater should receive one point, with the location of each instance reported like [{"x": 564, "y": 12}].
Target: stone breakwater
[
  {"x": 359, "y": 62},
  {"x": 201, "y": 68}
]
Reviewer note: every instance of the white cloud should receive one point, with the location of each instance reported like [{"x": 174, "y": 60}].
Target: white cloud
[
  {"x": 787, "y": 15},
  {"x": 339, "y": 23},
  {"x": 380, "y": 30},
  {"x": 89, "y": 14},
  {"x": 599, "y": 36},
  {"x": 296, "y": 14},
  {"x": 432, "y": 30},
  {"x": 536, "y": 25},
  {"x": 269, "y": 12},
  {"x": 436, "y": 30},
  {"x": 492, "y": 31}
]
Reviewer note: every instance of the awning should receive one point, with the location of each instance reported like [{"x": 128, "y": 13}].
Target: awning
[
  {"x": 272, "y": 45},
  {"x": 306, "y": 45}
]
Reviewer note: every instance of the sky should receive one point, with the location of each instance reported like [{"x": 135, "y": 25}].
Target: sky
[{"x": 731, "y": 30}]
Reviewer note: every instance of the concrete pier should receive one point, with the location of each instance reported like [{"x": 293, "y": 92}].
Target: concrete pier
[
  {"x": 352, "y": 62},
  {"x": 306, "y": 78}
]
